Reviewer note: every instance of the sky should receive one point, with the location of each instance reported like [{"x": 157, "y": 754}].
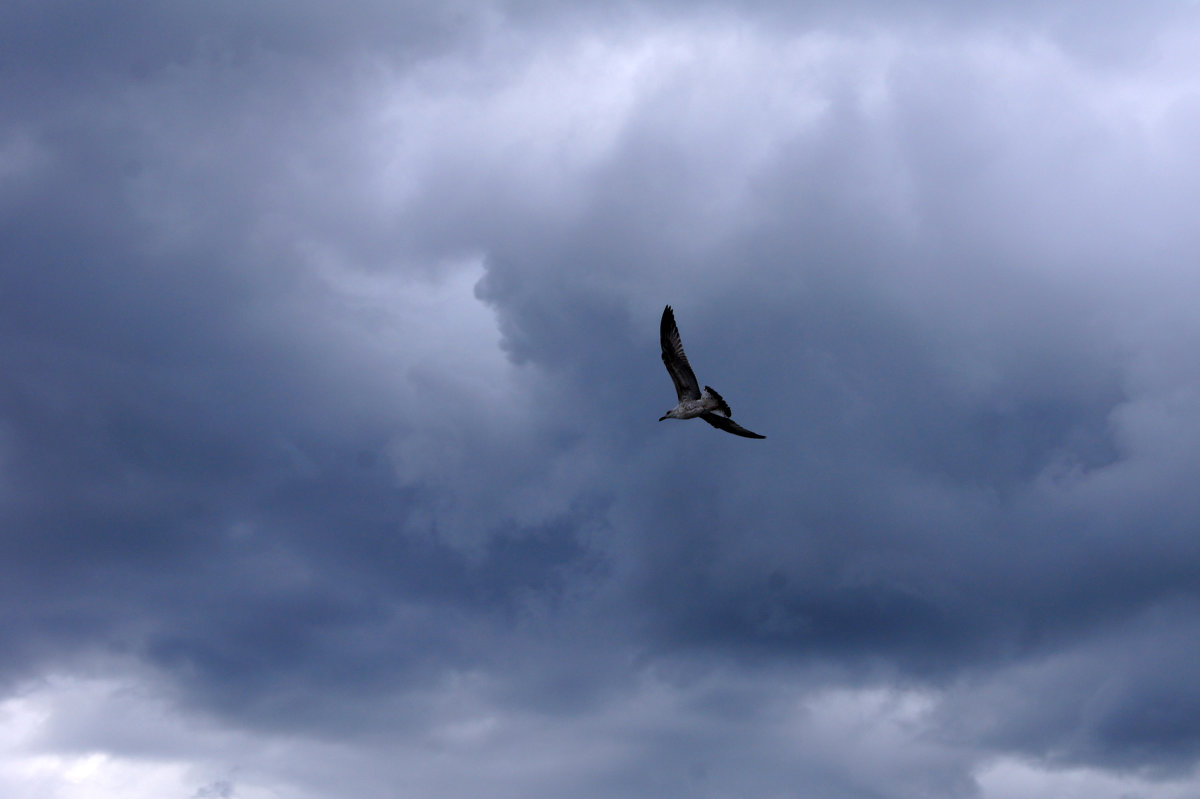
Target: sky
[{"x": 329, "y": 379}]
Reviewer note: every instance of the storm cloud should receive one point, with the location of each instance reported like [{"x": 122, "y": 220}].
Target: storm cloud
[{"x": 329, "y": 375}]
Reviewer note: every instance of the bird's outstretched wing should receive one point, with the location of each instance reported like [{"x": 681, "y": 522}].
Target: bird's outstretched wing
[
  {"x": 728, "y": 425},
  {"x": 686, "y": 386}
]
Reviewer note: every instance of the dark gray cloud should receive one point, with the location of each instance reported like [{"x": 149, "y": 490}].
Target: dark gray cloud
[{"x": 330, "y": 376}]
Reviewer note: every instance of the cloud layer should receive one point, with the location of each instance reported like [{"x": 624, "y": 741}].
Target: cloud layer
[{"x": 328, "y": 461}]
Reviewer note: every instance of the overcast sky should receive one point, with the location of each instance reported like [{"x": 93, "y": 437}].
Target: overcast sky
[{"x": 329, "y": 379}]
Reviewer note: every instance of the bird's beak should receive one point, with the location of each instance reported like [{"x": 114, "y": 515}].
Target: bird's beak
[{"x": 664, "y": 417}]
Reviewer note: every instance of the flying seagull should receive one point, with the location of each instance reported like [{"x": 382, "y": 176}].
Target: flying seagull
[{"x": 708, "y": 405}]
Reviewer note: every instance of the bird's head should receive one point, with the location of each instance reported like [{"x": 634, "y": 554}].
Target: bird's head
[{"x": 669, "y": 414}]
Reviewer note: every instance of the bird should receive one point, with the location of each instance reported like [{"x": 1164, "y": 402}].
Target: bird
[{"x": 708, "y": 405}]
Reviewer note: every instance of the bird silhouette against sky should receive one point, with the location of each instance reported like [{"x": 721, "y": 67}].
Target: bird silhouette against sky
[{"x": 707, "y": 404}]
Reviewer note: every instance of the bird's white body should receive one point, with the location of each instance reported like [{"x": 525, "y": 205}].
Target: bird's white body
[{"x": 690, "y": 409}]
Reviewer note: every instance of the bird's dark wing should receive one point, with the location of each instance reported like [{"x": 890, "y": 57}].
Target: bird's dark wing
[
  {"x": 686, "y": 386},
  {"x": 728, "y": 425}
]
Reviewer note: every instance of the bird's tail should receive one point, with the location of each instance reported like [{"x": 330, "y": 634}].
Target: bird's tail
[{"x": 722, "y": 405}]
